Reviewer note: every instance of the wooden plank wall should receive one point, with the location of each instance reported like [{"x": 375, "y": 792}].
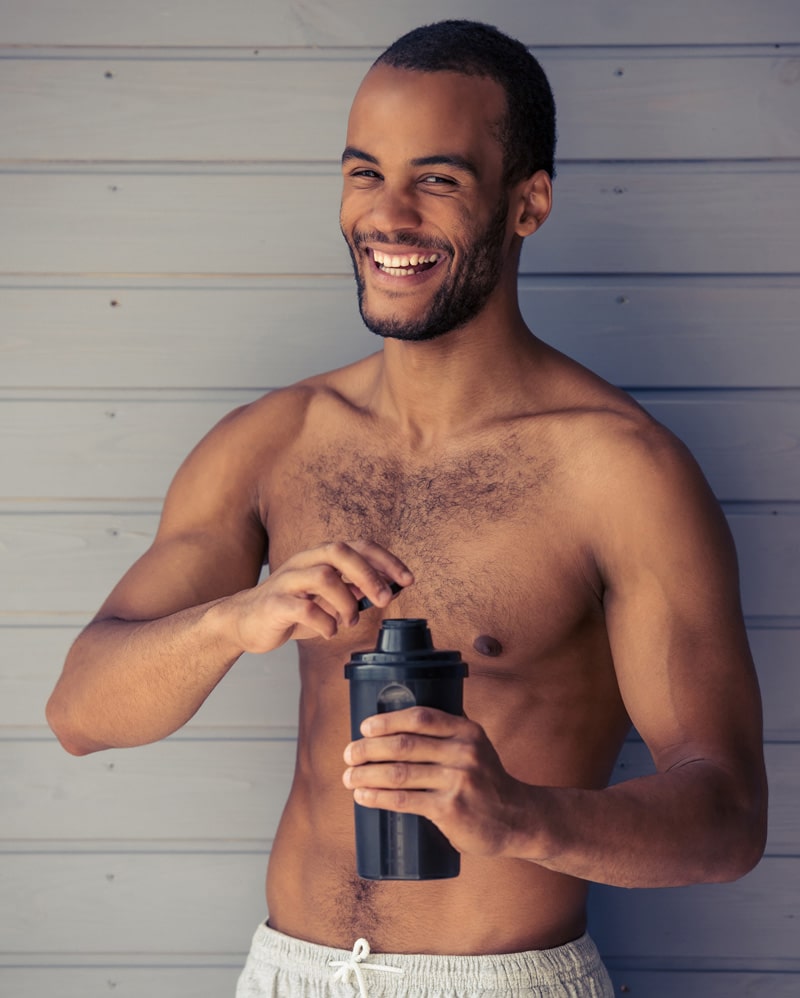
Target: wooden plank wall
[{"x": 169, "y": 248}]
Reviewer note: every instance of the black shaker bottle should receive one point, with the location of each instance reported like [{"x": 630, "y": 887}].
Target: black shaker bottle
[{"x": 403, "y": 670}]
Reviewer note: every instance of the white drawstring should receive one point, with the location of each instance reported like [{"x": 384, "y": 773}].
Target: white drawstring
[{"x": 355, "y": 965}]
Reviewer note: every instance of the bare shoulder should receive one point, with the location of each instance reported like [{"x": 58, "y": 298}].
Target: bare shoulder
[
  {"x": 612, "y": 444},
  {"x": 248, "y": 440},
  {"x": 633, "y": 487},
  {"x": 644, "y": 505},
  {"x": 633, "y": 461}
]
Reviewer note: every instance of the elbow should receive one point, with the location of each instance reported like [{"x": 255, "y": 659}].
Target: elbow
[
  {"x": 747, "y": 837},
  {"x": 752, "y": 849},
  {"x": 62, "y": 725}
]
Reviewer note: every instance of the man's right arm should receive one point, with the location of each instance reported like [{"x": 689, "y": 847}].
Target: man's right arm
[{"x": 190, "y": 606}]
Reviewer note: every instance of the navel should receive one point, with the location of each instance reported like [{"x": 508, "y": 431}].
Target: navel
[{"x": 485, "y": 644}]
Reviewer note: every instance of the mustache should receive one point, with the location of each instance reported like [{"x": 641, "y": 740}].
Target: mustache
[{"x": 402, "y": 239}]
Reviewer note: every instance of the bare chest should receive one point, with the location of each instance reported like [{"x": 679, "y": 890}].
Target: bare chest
[{"x": 482, "y": 531}]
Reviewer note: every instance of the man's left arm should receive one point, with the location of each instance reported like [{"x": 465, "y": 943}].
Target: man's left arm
[
  {"x": 677, "y": 636},
  {"x": 684, "y": 668}
]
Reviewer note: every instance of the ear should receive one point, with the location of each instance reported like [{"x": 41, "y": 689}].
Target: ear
[{"x": 534, "y": 201}]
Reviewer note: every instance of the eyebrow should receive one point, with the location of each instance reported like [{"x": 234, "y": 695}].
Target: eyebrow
[{"x": 439, "y": 159}]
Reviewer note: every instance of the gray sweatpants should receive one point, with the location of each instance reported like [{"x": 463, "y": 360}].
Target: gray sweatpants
[{"x": 282, "y": 967}]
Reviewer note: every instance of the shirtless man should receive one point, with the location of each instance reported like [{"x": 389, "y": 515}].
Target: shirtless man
[{"x": 542, "y": 522}]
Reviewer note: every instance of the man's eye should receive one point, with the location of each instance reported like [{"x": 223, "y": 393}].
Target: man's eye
[
  {"x": 434, "y": 179},
  {"x": 365, "y": 174}
]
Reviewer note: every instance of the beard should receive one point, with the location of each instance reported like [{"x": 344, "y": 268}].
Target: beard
[{"x": 461, "y": 296}]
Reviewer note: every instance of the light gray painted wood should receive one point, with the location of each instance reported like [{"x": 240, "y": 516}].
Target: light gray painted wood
[
  {"x": 747, "y": 443},
  {"x": 349, "y": 22},
  {"x": 687, "y": 984},
  {"x": 656, "y": 332},
  {"x": 84, "y": 903},
  {"x": 707, "y": 924},
  {"x": 607, "y": 218},
  {"x": 71, "y": 561},
  {"x": 186, "y": 337},
  {"x": 185, "y": 794},
  {"x": 124, "y": 981},
  {"x": 173, "y": 792},
  {"x": 124, "y": 437},
  {"x": 202, "y": 905},
  {"x": 60, "y": 566},
  {"x": 231, "y": 276},
  {"x": 260, "y": 692},
  {"x": 777, "y": 656},
  {"x": 236, "y": 105},
  {"x": 768, "y": 548}
]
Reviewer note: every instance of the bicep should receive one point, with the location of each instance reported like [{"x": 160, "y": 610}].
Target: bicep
[
  {"x": 210, "y": 540},
  {"x": 674, "y": 617}
]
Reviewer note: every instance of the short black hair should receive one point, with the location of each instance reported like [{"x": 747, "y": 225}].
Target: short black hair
[{"x": 528, "y": 135}]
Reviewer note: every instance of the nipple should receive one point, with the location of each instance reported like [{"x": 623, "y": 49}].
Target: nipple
[{"x": 485, "y": 644}]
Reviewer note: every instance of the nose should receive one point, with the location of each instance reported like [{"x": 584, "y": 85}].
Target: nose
[{"x": 394, "y": 209}]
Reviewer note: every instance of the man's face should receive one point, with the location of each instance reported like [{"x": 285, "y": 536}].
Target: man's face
[{"x": 424, "y": 210}]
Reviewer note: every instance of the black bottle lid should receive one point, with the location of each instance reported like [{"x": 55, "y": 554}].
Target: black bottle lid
[{"x": 405, "y": 643}]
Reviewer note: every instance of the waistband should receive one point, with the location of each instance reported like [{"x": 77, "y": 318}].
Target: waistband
[{"x": 533, "y": 968}]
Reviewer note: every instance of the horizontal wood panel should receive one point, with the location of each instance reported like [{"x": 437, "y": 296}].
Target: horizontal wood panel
[
  {"x": 174, "y": 791},
  {"x": 121, "y": 981},
  {"x": 717, "y": 924},
  {"x": 201, "y": 905},
  {"x": 748, "y": 444},
  {"x": 660, "y": 983},
  {"x": 243, "y": 106},
  {"x": 103, "y": 448},
  {"x": 60, "y": 565},
  {"x": 348, "y": 22},
  {"x": 768, "y": 547},
  {"x": 607, "y": 218},
  {"x": 668, "y": 332},
  {"x": 183, "y": 792},
  {"x": 261, "y": 691},
  {"x": 210, "y": 904},
  {"x": 180, "y": 338},
  {"x": 66, "y": 565}
]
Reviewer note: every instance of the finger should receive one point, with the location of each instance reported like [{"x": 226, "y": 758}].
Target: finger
[
  {"x": 388, "y": 564},
  {"x": 415, "y": 720},
  {"x": 396, "y": 776},
  {"x": 303, "y": 618},
  {"x": 457, "y": 753},
  {"x": 320, "y": 584},
  {"x": 368, "y": 568},
  {"x": 419, "y": 802}
]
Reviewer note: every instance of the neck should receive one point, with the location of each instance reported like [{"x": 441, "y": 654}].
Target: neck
[{"x": 459, "y": 382}]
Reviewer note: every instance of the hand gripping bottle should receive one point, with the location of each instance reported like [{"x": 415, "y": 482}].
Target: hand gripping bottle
[{"x": 404, "y": 670}]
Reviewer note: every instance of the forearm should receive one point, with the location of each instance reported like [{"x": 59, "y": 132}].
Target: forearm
[
  {"x": 128, "y": 682},
  {"x": 693, "y": 824},
  {"x": 132, "y": 682}
]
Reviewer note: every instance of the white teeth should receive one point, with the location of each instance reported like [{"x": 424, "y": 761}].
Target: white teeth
[{"x": 397, "y": 266}]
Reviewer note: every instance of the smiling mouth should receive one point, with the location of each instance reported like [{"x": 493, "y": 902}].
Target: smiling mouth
[{"x": 405, "y": 264}]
